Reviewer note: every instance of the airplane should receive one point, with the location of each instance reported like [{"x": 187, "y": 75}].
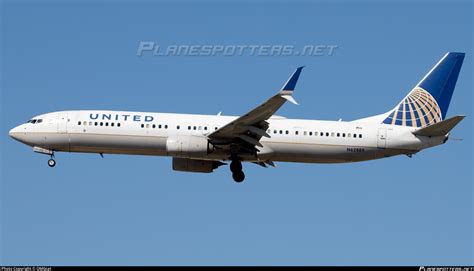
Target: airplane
[{"x": 202, "y": 143}]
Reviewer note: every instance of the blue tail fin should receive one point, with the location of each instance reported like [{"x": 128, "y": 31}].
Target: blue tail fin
[{"x": 428, "y": 102}]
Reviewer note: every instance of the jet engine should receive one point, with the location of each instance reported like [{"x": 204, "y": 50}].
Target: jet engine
[{"x": 188, "y": 146}]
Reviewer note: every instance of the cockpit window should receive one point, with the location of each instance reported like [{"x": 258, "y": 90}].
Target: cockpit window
[{"x": 33, "y": 121}]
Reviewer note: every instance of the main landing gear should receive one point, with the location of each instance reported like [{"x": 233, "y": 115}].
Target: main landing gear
[{"x": 236, "y": 169}]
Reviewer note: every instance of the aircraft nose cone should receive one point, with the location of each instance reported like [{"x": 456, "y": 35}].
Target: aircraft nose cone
[
  {"x": 12, "y": 133},
  {"x": 15, "y": 133},
  {"x": 20, "y": 134}
]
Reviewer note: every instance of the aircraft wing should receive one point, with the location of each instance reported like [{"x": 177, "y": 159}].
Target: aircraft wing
[{"x": 249, "y": 128}]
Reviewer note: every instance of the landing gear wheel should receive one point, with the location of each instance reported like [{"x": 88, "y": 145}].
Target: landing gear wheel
[
  {"x": 238, "y": 176},
  {"x": 51, "y": 162},
  {"x": 235, "y": 166}
]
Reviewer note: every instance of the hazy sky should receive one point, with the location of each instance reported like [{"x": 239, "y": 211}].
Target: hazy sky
[{"x": 136, "y": 210}]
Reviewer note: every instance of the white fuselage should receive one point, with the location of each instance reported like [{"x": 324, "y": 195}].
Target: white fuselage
[{"x": 291, "y": 140}]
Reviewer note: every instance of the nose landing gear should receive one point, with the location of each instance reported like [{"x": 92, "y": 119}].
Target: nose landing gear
[
  {"x": 236, "y": 169},
  {"x": 51, "y": 162}
]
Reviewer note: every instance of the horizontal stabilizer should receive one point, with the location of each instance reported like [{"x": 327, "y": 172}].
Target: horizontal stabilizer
[{"x": 441, "y": 128}]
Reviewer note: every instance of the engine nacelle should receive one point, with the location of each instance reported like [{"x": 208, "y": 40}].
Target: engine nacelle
[
  {"x": 188, "y": 146},
  {"x": 193, "y": 165}
]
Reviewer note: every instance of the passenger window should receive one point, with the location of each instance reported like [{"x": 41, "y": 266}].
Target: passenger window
[
  {"x": 287, "y": 132},
  {"x": 332, "y": 134},
  {"x": 327, "y": 134},
  {"x": 159, "y": 126},
  {"x": 177, "y": 127},
  {"x": 338, "y": 134},
  {"x": 95, "y": 123},
  {"x": 274, "y": 131},
  {"x": 189, "y": 127},
  {"x": 194, "y": 128},
  {"x": 166, "y": 126},
  {"x": 296, "y": 132},
  {"x": 142, "y": 125},
  {"x": 106, "y": 124},
  {"x": 118, "y": 124},
  {"x": 205, "y": 128},
  {"x": 304, "y": 133},
  {"x": 101, "y": 124},
  {"x": 360, "y": 135},
  {"x": 310, "y": 133},
  {"x": 153, "y": 126},
  {"x": 112, "y": 124},
  {"x": 281, "y": 132},
  {"x": 349, "y": 135},
  {"x": 355, "y": 135},
  {"x": 200, "y": 128},
  {"x": 147, "y": 125},
  {"x": 84, "y": 123},
  {"x": 79, "y": 123},
  {"x": 215, "y": 128},
  {"x": 343, "y": 134}
]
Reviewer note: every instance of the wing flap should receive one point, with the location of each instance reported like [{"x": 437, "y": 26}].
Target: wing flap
[{"x": 252, "y": 141}]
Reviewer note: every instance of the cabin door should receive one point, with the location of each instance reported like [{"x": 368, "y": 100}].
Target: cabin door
[
  {"x": 382, "y": 138},
  {"x": 62, "y": 123}
]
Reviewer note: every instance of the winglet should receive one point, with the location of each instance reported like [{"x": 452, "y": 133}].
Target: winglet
[{"x": 291, "y": 83}]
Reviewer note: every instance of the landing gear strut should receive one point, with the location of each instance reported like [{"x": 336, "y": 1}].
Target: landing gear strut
[{"x": 236, "y": 169}]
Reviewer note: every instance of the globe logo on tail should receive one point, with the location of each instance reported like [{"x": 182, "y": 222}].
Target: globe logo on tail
[{"x": 418, "y": 109}]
